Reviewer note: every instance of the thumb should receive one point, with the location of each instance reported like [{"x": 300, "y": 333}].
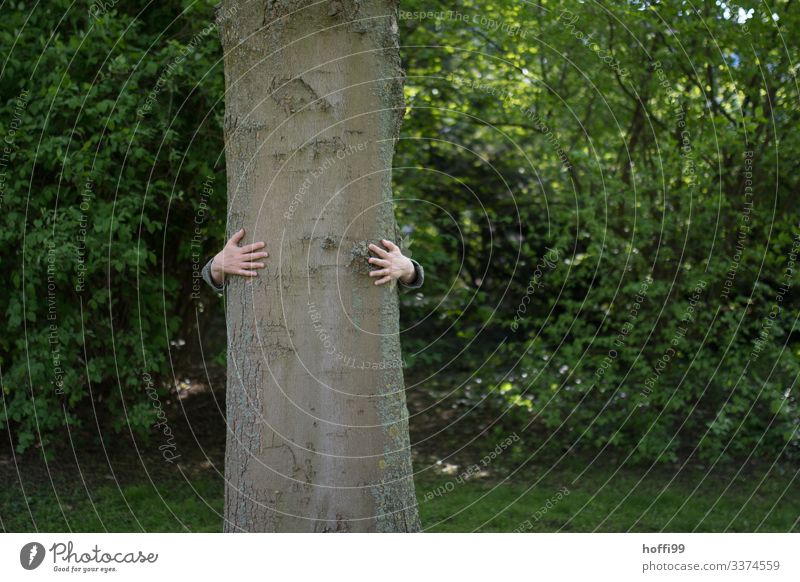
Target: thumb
[{"x": 237, "y": 237}]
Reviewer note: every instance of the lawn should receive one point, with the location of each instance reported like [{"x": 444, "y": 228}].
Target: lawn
[{"x": 550, "y": 498}]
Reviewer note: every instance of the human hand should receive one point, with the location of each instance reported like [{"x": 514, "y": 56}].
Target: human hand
[
  {"x": 236, "y": 260},
  {"x": 394, "y": 264}
]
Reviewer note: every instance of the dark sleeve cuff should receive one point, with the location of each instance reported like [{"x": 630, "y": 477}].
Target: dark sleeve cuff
[
  {"x": 206, "y": 274},
  {"x": 418, "y": 281}
]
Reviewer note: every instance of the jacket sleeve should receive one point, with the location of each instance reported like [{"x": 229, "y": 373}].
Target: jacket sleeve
[
  {"x": 418, "y": 281},
  {"x": 403, "y": 243},
  {"x": 206, "y": 274}
]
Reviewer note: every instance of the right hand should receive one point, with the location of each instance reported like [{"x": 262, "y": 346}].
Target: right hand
[{"x": 236, "y": 260}]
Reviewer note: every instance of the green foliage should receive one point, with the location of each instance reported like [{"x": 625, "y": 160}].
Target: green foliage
[
  {"x": 579, "y": 203},
  {"x": 116, "y": 121},
  {"x": 621, "y": 137}
]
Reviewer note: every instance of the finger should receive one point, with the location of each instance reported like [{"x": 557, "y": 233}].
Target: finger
[
  {"x": 379, "y": 251},
  {"x": 379, "y": 262},
  {"x": 237, "y": 236},
  {"x": 244, "y": 273},
  {"x": 253, "y": 265},
  {"x": 379, "y": 273},
  {"x": 390, "y": 245},
  {"x": 382, "y": 281},
  {"x": 254, "y": 256},
  {"x": 253, "y": 247}
]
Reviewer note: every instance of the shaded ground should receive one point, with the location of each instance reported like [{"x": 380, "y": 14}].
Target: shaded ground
[{"x": 128, "y": 486}]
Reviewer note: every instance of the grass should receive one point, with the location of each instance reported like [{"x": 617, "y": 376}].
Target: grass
[
  {"x": 125, "y": 486},
  {"x": 172, "y": 506},
  {"x": 598, "y": 500}
]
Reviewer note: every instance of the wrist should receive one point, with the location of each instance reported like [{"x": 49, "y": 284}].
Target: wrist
[
  {"x": 410, "y": 274},
  {"x": 217, "y": 274}
]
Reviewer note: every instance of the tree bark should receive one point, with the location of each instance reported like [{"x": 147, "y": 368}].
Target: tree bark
[{"x": 316, "y": 412}]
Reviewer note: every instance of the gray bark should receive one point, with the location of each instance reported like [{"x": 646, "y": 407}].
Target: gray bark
[{"x": 317, "y": 418}]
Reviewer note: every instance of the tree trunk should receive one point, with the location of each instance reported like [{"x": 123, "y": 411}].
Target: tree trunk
[{"x": 316, "y": 412}]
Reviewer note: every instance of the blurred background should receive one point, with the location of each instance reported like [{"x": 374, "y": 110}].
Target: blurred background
[{"x": 605, "y": 201}]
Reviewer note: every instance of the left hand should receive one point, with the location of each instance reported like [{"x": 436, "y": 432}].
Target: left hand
[{"x": 394, "y": 264}]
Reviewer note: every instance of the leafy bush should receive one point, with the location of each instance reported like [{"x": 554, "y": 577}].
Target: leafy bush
[
  {"x": 607, "y": 223},
  {"x": 116, "y": 120},
  {"x": 595, "y": 271}
]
